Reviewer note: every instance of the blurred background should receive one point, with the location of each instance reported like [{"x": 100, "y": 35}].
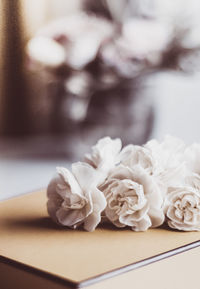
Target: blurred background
[{"x": 74, "y": 71}]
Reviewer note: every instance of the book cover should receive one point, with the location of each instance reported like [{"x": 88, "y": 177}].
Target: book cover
[{"x": 37, "y": 253}]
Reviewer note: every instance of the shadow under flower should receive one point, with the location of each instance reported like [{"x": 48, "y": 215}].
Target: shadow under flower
[
  {"x": 41, "y": 223},
  {"x": 46, "y": 223},
  {"x": 167, "y": 228},
  {"x": 110, "y": 227}
]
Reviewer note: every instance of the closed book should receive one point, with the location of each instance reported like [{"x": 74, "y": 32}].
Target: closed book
[{"x": 36, "y": 253}]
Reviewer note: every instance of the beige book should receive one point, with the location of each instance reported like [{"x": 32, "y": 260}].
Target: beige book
[{"x": 36, "y": 253}]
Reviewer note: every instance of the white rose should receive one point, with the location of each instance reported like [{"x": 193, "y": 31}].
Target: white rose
[
  {"x": 192, "y": 158},
  {"x": 105, "y": 154},
  {"x": 169, "y": 164},
  {"x": 193, "y": 180},
  {"x": 132, "y": 155},
  {"x": 133, "y": 199},
  {"x": 73, "y": 198},
  {"x": 182, "y": 207},
  {"x": 169, "y": 152}
]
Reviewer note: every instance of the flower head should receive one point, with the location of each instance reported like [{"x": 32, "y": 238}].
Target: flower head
[
  {"x": 169, "y": 165},
  {"x": 192, "y": 158},
  {"x": 132, "y": 155},
  {"x": 138, "y": 187},
  {"x": 74, "y": 198},
  {"x": 133, "y": 199},
  {"x": 105, "y": 154},
  {"x": 182, "y": 208}
]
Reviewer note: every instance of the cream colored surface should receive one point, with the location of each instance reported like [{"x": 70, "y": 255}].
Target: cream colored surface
[
  {"x": 177, "y": 272},
  {"x": 28, "y": 235}
]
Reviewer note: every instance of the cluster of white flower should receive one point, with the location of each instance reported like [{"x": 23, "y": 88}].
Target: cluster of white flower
[{"x": 137, "y": 186}]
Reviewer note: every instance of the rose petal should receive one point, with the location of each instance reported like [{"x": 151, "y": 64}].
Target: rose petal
[
  {"x": 98, "y": 200},
  {"x": 52, "y": 208},
  {"x": 86, "y": 175},
  {"x": 105, "y": 154},
  {"x": 70, "y": 217},
  {"x": 132, "y": 155},
  {"x": 157, "y": 217},
  {"x": 142, "y": 225},
  {"x": 51, "y": 189},
  {"x": 69, "y": 180},
  {"x": 183, "y": 227},
  {"x": 192, "y": 157},
  {"x": 121, "y": 172},
  {"x": 92, "y": 221}
]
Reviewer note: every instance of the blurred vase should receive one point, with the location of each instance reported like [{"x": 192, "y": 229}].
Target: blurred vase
[
  {"x": 124, "y": 111},
  {"x": 93, "y": 85}
]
